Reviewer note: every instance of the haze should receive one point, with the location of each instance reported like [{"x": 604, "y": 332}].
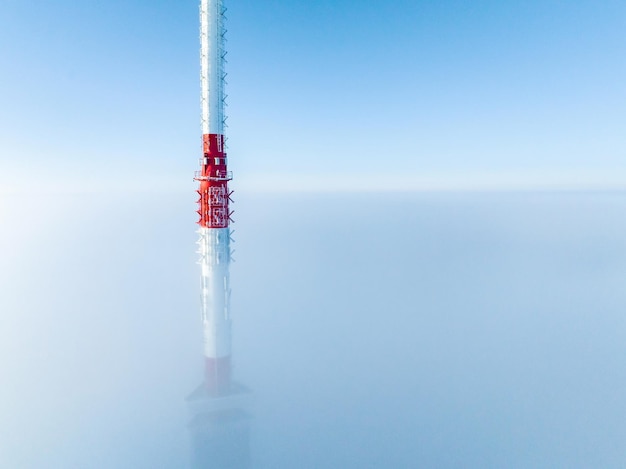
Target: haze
[{"x": 406, "y": 330}]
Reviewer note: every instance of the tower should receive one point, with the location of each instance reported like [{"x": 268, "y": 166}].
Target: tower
[
  {"x": 214, "y": 197},
  {"x": 219, "y": 421}
]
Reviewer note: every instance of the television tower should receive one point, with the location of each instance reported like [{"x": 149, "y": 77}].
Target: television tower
[
  {"x": 214, "y": 198},
  {"x": 220, "y": 420}
]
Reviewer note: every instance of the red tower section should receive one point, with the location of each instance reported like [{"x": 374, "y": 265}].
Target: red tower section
[{"x": 213, "y": 177}]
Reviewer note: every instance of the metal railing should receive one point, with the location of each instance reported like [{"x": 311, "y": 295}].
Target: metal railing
[{"x": 219, "y": 176}]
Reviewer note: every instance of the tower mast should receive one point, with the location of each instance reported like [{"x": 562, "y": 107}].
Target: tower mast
[
  {"x": 220, "y": 420},
  {"x": 214, "y": 197}
]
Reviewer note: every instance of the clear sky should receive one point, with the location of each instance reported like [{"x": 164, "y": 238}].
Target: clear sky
[{"x": 370, "y": 94}]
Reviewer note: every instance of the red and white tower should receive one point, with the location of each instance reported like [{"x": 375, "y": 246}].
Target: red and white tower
[
  {"x": 219, "y": 407},
  {"x": 214, "y": 201}
]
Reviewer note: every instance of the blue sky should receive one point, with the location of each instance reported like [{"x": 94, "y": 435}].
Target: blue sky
[{"x": 322, "y": 94}]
